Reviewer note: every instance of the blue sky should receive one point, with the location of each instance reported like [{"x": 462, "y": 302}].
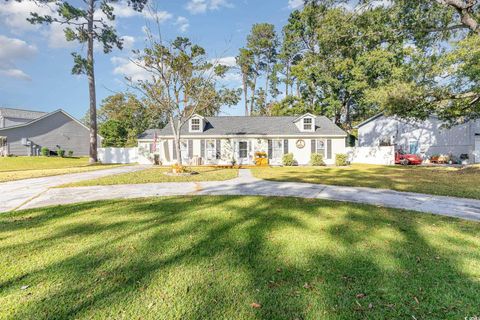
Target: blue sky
[{"x": 35, "y": 61}]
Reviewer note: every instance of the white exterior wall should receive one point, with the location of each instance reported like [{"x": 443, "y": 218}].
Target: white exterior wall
[
  {"x": 302, "y": 156},
  {"x": 338, "y": 146},
  {"x": 229, "y": 149},
  {"x": 372, "y": 155},
  {"x": 432, "y": 138},
  {"x": 122, "y": 155}
]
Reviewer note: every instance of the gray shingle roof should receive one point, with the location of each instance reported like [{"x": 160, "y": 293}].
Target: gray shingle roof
[
  {"x": 228, "y": 126},
  {"x": 20, "y": 114}
]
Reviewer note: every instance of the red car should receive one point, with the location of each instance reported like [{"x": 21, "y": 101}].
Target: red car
[{"x": 406, "y": 158}]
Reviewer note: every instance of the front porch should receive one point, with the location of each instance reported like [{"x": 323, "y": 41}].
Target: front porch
[{"x": 216, "y": 152}]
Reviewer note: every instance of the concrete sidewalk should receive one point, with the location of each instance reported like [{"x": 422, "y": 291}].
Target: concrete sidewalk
[
  {"x": 246, "y": 184},
  {"x": 15, "y": 193}
]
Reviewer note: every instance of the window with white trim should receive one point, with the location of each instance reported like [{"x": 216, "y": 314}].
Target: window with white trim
[
  {"x": 307, "y": 124},
  {"x": 277, "y": 149},
  {"x": 320, "y": 147},
  {"x": 210, "y": 150},
  {"x": 195, "y": 125},
  {"x": 243, "y": 149}
]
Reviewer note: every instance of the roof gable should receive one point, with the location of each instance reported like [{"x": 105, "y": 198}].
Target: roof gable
[
  {"x": 304, "y": 116},
  {"x": 368, "y": 120},
  {"x": 46, "y": 115}
]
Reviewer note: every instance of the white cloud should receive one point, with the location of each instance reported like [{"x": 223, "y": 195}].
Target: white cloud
[
  {"x": 56, "y": 37},
  {"x": 161, "y": 16},
  {"x": 226, "y": 61},
  {"x": 15, "y": 49},
  {"x": 128, "y": 68},
  {"x": 14, "y": 73},
  {"x": 202, "y": 6},
  {"x": 183, "y": 24},
  {"x": 123, "y": 10},
  {"x": 128, "y": 42},
  {"x": 232, "y": 78},
  {"x": 295, "y": 4},
  {"x": 12, "y": 50},
  {"x": 14, "y": 14}
]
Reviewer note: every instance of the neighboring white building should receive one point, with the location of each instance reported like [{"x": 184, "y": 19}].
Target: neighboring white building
[
  {"x": 427, "y": 137},
  {"x": 224, "y": 140}
]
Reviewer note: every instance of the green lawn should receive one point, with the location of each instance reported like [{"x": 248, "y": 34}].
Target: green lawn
[
  {"x": 431, "y": 180},
  {"x": 157, "y": 175},
  {"x": 16, "y": 168},
  {"x": 213, "y": 257}
]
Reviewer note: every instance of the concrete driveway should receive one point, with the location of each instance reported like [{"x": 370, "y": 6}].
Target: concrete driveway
[
  {"x": 15, "y": 193},
  {"x": 246, "y": 184}
]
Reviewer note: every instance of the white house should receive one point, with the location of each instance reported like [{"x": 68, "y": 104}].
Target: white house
[
  {"x": 226, "y": 140},
  {"x": 426, "y": 138}
]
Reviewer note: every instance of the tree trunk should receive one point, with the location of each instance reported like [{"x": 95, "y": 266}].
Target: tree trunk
[
  {"x": 338, "y": 117},
  {"x": 245, "y": 93},
  {"x": 252, "y": 102},
  {"x": 91, "y": 85},
  {"x": 176, "y": 139},
  {"x": 348, "y": 124},
  {"x": 179, "y": 150},
  {"x": 287, "y": 80},
  {"x": 267, "y": 78}
]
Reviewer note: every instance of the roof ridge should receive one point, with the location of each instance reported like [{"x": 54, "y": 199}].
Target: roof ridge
[{"x": 18, "y": 109}]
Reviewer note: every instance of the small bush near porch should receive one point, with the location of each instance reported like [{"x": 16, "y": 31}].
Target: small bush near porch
[{"x": 236, "y": 258}]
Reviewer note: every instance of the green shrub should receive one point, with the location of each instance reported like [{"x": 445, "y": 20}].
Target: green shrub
[
  {"x": 316, "y": 159},
  {"x": 70, "y": 153},
  {"x": 61, "y": 153},
  {"x": 45, "y": 151},
  {"x": 341, "y": 159},
  {"x": 288, "y": 160}
]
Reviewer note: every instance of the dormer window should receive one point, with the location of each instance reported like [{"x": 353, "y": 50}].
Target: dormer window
[
  {"x": 307, "y": 124},
  {"x": 195, "y": 124}
]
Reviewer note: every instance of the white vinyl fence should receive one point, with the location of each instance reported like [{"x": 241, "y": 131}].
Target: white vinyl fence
[
  {"x": 372, "y": 155},
  {"x": 122, "y": 155}
]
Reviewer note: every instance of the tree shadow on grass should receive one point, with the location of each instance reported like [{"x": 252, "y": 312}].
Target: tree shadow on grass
[{"x": 212, "y": 257}]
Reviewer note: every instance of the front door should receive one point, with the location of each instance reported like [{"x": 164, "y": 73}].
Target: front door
[
  {"x": 476, "y": 153},
  {"x": 242, "y": 152}
]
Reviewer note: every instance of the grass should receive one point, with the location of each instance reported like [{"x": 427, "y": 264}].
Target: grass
[
  {"x": 444, "y": 181},
  {"x": 17, "y": 168},
  {"x": 213, "y": 257},
  {"x": 157, "y": 175}
]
